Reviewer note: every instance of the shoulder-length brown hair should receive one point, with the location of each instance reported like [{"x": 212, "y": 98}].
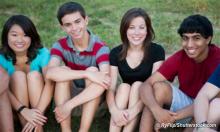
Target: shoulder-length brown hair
[{"x": 125, "y": 22}]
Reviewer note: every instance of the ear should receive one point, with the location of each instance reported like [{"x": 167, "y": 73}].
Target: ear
[
  {"x": 87, "y": 20},
  {"x": 62, "y": 27},
  {"x": 209, "y": 39}
]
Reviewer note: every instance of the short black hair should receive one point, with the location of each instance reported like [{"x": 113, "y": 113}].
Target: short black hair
[
  {"x": 68, "y": 8},
  {"x": 196, "y": 24}
]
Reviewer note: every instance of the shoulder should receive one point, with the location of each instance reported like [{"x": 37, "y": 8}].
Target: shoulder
[
  {"x": 214, "y": 48},
  {"x": 43, "y": 50},
  {"x": 156, "y": 48},
  {"x": 117, "y": 49},
  {"x": 60, "y": 43}
]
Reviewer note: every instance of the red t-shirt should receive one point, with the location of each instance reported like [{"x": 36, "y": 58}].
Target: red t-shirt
[{"x": 191, "y": 75}]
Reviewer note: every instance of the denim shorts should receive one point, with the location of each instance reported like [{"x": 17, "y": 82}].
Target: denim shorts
[{"x": 179, "y": 101}]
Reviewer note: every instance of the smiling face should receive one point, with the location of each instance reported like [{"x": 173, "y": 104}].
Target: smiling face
[
  {"x": 75, "y": 25},
  {"x": 18, "y": 41},
  {"x": 195, "y": 46},
  {"x": 137, "y": 31}
]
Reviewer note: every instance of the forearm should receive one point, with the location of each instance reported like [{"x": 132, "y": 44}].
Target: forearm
[
  {"x": 201, "y": 108},
  {"x": 185, "y": 112},
  {"x": 59, "y": 74},
  {"x": 46, "y": 96},
  {"x": 14, "y": 102},
  {"x": 88, "y": 94}
]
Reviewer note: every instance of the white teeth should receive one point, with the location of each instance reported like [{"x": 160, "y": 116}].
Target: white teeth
[
  {"x": 19, "y": 45},
  {"x": 191, "y": 51}
]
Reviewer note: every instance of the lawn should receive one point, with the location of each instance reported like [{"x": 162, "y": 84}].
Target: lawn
[{"x": 104, "y": 20}]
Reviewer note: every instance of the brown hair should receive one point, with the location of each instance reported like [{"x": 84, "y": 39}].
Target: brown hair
[{"x": 125, "y": 22}]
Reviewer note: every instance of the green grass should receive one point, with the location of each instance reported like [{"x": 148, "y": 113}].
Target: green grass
[{"x": 105, "y": 16}]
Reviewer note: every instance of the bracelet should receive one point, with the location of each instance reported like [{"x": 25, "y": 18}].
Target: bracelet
[{"x": 21, "y": 108}]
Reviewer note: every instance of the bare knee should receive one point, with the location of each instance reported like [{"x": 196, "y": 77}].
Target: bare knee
[
  {"x": 135, "y": 87},
  {"x": 123, "y": 89},
  {"x": 34, "y": 75},
  {"x": 162, "y": 92}
]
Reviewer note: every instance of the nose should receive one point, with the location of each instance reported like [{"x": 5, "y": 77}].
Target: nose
[
  {"x": 20, "y": 39},
  {"x": 73, "y": 27},
  {"x": 190, "y": 42},
  {"x": 136, "y": 31}
]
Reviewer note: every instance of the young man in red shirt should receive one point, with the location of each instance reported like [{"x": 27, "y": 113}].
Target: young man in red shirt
[{"x": 193, "y": 65}]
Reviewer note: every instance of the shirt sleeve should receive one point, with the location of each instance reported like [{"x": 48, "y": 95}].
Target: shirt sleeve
[
  {"x": 169, "y": 69},
  {"x": 57, "y": 51},
  {"x": 45, "y": 58},
  {"x": 6, "y": 65},
  {"x": 102, "y": 56},
  {"x": 114, "y": 56},
  {"x": 158, "y": 53},
  {"x": 215, "y": 77}
]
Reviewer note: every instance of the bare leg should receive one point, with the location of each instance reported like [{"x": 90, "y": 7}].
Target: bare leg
[
  {"x": 121, "y": 100},
  {"x": 133, "y": 100},
  {"x": 35, "y": 87},
  {"x": 163, "y": 95},
  {"x": 62, "y": 94},
  {"x": 214, "y": 111},
  {"x": 19, "y": 89},
  {"x": 6, "y": 120},
  {"x": 89, "y": 108}
]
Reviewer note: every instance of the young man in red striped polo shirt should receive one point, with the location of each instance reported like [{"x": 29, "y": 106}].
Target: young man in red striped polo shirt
[{"x": 85, "y": 74}]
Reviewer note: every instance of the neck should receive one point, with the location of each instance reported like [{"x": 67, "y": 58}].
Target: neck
[
  {"x": 21, "y": 54},
  {"x": 135, "y": 47},
  {"x": 203, "y": 56},
  {"x": 82, "y": 43}
]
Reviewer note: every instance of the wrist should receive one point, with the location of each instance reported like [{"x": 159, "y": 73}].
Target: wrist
[{"x": 20, "y": 109}]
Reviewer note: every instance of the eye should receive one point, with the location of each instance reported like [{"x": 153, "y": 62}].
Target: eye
[
  {"x": 13, "y": 34},
  {"x": 67, "y": 25},
  {"x": 131, "y": 27},
  {"x": 142, "y": 27},
  {"x": 78, "y": 21},
  {"x": 184, "y": 38}
]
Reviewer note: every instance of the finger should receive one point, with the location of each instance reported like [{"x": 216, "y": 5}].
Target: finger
[
  {"x": 33, "y": 123},
  {"x": 37, "y": 111},
  {"x": 41, "y": 117},
  {"x": 27, "y": 127},
  {"x": 38, "y": 122},
  {"x": 126, "y": 115},
  {"x": 173, "y": 113}
]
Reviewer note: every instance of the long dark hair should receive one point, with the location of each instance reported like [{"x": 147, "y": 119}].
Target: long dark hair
[
  {"x": 30, "y": 30},
  {"x": 125, "y": 22}
]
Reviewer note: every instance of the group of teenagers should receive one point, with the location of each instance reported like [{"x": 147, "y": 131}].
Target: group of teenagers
[{"x": 80, "y": 70}]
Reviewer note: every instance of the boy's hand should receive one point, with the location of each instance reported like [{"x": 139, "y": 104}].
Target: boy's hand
[
  {"x": 164, "y": 116},
  {"x": 100, "y": 78}
]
